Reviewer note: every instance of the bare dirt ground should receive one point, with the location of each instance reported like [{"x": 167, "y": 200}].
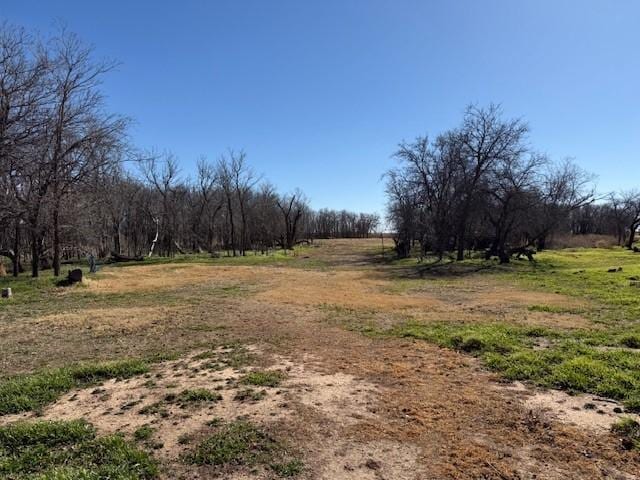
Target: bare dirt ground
[{"x": 355, "y": 407}]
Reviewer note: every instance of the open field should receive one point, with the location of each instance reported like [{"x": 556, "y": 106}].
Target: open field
[{"x": 333, "y": 363}]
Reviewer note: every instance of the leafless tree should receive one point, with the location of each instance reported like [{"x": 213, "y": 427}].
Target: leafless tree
[
  {"x": 485, "y": 139},
  {"x": 162, "y": 173},
  {"x": 292, "y": 207},
  {"x": 631, "y": 211},
  {"x": 481, "y": 186}
]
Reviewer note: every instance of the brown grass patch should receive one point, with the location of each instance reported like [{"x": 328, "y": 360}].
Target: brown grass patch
[
  {"x": 151, "y": 278},
  {"x": 103, "y": 319}
]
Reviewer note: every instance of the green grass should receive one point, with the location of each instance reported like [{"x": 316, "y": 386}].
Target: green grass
[
  {"x": 223, "y": 258},
  {"x": 288, "y": 469},
  {"x": 264, "y": 378},
  {"x": 237, "y": 443},
  {"x": 583, "y": 273},
  {"x": 32, "y": 291},
  {"x": 569, "y": 360},
  {"x": 241, "y": 443},
  {"x": 197, "y": 395},
  {"x": 143, "y": 433},
  {"x": 31, "y": 391},
  {"x": 577, "y": 272},
  {"x": 603, "y": 359},
  {"x": 559, "y": 309},
  {"x": 69, "y": 450}
]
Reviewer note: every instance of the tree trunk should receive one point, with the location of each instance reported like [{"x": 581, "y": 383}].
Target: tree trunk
[
  {"x": 503, "y": 255},
  {"x": 231, "y": 226},
  {"x": 56, "y": 241},
  {"x": 35, "y": 254},
  {"x": 632, "y": 236},
  {"x": 461, "y": 237},
  {"x": 117, "y": 247},
  {"x": 16, "y": 252},
  {"x": 542, "y": 243},
  {"x": 155, "y": 239}
]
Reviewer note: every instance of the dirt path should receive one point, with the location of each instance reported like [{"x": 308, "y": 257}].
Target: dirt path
[{"x": 375, "y": 408}]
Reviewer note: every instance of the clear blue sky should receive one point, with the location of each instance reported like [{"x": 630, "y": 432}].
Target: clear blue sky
[{"x": 319, "y": 93}]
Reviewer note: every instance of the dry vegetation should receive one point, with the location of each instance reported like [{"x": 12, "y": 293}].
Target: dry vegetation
[{"x": 317, "y": 367}]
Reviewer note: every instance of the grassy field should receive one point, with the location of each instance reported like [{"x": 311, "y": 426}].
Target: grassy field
[
  {"x": 223, "y": 346},
  {"x": 603, "y": 359}
]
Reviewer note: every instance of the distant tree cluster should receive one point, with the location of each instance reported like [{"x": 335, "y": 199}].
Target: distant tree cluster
[
  {"x": 618, "y": 216},
  {"x": 65, "y": 191},
  {"x": 481, "y": 186},
  {"x": 342, "y": 224}
]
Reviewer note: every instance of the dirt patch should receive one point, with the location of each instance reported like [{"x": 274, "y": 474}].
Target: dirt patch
[
  {"x": 153, "y": 399},
  {"x": 371, "y": 461},
  {"x": 586, "y": 411}
]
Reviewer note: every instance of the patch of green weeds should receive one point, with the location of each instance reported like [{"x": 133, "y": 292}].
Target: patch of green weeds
[
  {"x": 288, "y": 469},
  {"x": 196, "y": 395},
  {"x": 241, "y": 443},
  {"x": 65, "y": 450},
  {"x": 249, "y": 395},
  {"x": 263, "y": 378},
  {"x": 31, "y": 391},
  {"x": 156, "y": 408},
  {"x": 571, "y": 360},
  {"x": 143, "y": 433}
]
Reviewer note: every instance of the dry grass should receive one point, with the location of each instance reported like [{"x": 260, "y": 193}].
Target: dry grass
[{"x": 391, "y": 408}]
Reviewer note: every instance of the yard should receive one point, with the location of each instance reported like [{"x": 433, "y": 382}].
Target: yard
[{"x": 334, "y": 362}]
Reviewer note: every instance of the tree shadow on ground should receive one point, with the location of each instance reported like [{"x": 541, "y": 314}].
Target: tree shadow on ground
[{"x": 438, "y": 269}]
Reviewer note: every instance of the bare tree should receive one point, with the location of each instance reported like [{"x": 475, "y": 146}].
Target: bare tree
[
  {"x": 292, "y": 208},
  {"x": 485, "y": 139},
  {"x": 401, "y": 210},
  {"x": 79, "y": 136},
  {"x": 243, "y": 180},
  {"x": 511, "y": 192},
  {"x": 161, "y": 172},
  {"x": 481, "y": 186},
  {"x": 631, "y": 210},
  {"x": 23, "y": 94}
]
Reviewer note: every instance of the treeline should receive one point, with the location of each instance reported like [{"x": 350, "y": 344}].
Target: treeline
[
  {"x": 342, "y": 224},
  {"x": 72, "y": 185},
  {"x": 618, "y": 216},
  {"x": 482, "y": 187}
]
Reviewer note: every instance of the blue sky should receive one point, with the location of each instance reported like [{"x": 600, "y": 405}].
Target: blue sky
[{"x": 319, "y": 93}]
